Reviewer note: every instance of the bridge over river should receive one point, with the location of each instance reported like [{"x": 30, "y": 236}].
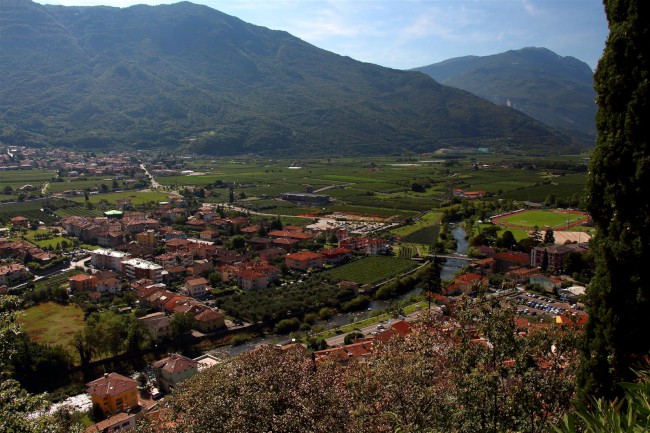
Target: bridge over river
[{"x": 452, "y": 256}]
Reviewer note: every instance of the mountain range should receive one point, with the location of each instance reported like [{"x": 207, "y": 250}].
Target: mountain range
[
  {"x": 556, "y": 90},
  {"x": 191, "y": 78}
]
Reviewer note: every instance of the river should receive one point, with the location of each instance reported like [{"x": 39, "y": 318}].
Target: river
[{"x": 448, "y": 272}]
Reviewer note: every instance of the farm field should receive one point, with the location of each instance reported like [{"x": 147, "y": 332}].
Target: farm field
[
  {"x": 371, "y": 270},
  {"x": 383, "y": 186},
  {"x": 19, "y": 178},
  {"x": 54, "y": 324},
  {"x": 424, "y": 236},
  {"x": 427, "y": 219},
  {"x": 539, "y": 218},
  {"x": 80, "y": 183},
  {"x": 30, "y": 209},
  {"x": 136, "y": 197}
]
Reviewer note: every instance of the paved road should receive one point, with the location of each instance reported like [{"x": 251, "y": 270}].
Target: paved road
[
  {"x": 154, "y": 184},
  {"x": 338, "y": 340}
]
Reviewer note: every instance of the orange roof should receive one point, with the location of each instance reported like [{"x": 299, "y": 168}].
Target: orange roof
[
  {"x": 196, "y": 281},
  {"x": 402, "y": 327},
  {"x": 513, "y": 257},
  {"x": 469, "y": 277},
  {"x": 176, "y": 363},
  {"x": 249, "y": 274},
  {"x": 289, "y": 234},
  {"x": 111, "y": 384},
  {"x": 304, "y": 255},
  {"x": 208, "y": 314}
]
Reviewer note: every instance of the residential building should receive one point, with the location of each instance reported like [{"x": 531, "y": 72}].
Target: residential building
[
  {"x": 12, "y": 273},
  {"x": 466, "y": 284},
  {"x": 210, "y": 320},
  {"x": 147, "y": 238},
  {"x": 555, "y": 255},
  {"x": 336, "y": 255},
  {"x": 20, "y": 221},
  {"x": 108, "y": 259},
  {"x": 116, "y": 423},
  {"x": 138, "y": 268},
  {"x": 195, "y": 287},
  {"x": 303, "y": 260},
  {"x": 173, "y": 370},
  {"x": 249, "y": 279},
  {"x": 505, "y": 261},
  {"x": 113, "y": 393},
  {"x": 271, "y": 253},
  {"x": 158, "y": 325},
  {"x": 108, "y": 285},
  {"x": 82, "y": 282}
]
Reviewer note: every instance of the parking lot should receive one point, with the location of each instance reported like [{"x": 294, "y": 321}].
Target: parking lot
[{"x": 533, "y": 304}]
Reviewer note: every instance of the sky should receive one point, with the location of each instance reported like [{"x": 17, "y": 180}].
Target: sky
[{"x": 405, "y": 34}]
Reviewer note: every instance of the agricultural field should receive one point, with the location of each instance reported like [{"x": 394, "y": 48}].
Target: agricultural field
[
  {"x": 16, "y": 179},
  {"x": 423, "y": 236},
  {"x": 539, "y": 218},
  {"x": 425, "y": 220},
  {"x": 560, "y": 186},
  {"x": 136, "y": 197},
  {"x": 53, "y": 324},
  {"x": 386, "y": 186},
  {"x": 78, "y": 210},
  {"x": 371, "y": 270},
  {"x": 30, "y": 209},
  {"x": 80, "y": 183}
]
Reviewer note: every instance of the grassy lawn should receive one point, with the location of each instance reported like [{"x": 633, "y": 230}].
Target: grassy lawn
[
  {"x": 540, "y": 218},
  {"x": 53, "y": 324},
  {"x": 371, "y": 270},
  {"x": 428, "y": 219}
]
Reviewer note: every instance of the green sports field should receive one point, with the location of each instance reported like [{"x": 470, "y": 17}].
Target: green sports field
[{"x": 540, "y": 218}]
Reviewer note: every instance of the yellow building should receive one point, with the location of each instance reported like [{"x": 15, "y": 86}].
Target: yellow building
[
  {"x": 147, "y": 238},
  {"x": 113, "y": 393}
]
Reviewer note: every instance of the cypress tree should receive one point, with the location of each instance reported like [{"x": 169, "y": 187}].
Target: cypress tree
[{"x": 618, "y": 301}]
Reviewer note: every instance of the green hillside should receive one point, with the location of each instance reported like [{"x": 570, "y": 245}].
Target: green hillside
[
  {"x": 187, "y": 74},
  {"x": 553, "y": 89}
]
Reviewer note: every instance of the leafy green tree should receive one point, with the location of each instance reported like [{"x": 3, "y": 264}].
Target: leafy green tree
[
  {"x": 549, "y": 237},
  {"x": 181, "y": 324},
  {"x": 261, "y": 391},
  {"x": 214, "y": 278},
  {"x": 618, "y": 300},
  {"x": 536, "y": 236},
  {"x": 507, "y": 240},
  {"x": 237, "y": 242},
  {"x": 276, "y": 224},
  {"x": 544, "y": 265},
  {"x": 349, "y": 338}
]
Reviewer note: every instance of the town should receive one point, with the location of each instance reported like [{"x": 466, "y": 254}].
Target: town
[{"x": 179, "y": 273}]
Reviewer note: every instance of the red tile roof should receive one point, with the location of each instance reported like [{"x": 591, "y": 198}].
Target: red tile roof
[
  {"x": 208, "y": 314},
  {"x": 176, "y": 363},
  {"x": 111, "y": 384},
  {"x": 304, "y": 255}
]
